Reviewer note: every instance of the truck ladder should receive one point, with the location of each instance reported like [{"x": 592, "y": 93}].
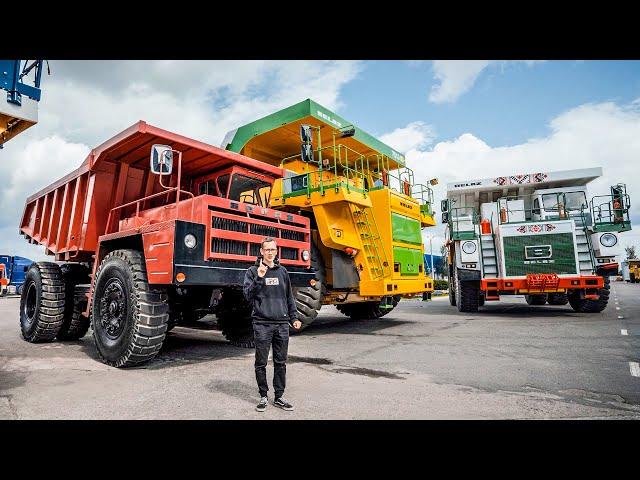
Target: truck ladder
[{"x": 371, "y": 241}]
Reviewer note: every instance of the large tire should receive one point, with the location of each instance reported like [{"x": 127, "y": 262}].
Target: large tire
[
  {"x": 591, "y": 306},
  {"x": 452, "y": 292},
  {"x": 75, "y": 325},
  {"x": 128, "y": 316},
  {"x": 42, "y": 303},
  {"x": 234, "y": 319},
  {"x": 481, "y": 299},
  {"x": 537, "y": 299},
  {"x": 367, "y": 310},
  {"x": 557, "y": 299},
  {"x": 467, "y": 295},
  {"x": 309, "y": 299}
]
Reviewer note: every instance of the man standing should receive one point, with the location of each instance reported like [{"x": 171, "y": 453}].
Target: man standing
[{"x": 268, "y": 288}]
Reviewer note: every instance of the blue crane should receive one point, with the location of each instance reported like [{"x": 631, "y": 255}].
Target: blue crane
[{"x": 20, "y": 111}]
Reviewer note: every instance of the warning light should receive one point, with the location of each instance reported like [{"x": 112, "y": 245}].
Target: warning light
[{"x": 181, "y": 277}]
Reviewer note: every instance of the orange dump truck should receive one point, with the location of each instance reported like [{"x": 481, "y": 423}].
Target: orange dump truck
[{"x": 154, "y": 229}]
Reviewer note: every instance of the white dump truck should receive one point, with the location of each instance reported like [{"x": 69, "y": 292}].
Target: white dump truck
[{"x": 535, "y": 235}]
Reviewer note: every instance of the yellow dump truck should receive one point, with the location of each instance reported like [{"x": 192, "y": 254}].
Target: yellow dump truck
[{"x": 365, "y": 207}]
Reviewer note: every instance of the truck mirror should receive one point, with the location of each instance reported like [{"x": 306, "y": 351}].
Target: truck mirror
[
  {"x": 444, "y": 205},
  {"x": 161, "y": 160},
  {"x": 305, "y": 133},
  {"x": 445, "y": 217},
  {"x": 307, "y": 152}
]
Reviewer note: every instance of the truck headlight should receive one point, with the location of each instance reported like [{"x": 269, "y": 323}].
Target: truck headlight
[
  {"x": 190, "y": 240},
  {"x": 608, "y": 240},
  {"x": 305, "y": 255},
  {"x": 469, "y": 247}
]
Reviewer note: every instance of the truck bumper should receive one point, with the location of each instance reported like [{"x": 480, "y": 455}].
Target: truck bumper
[
  {"x": 392, "y": 286},
  {"x": 230, "y": 275},
  {"x": 517, "y": 286}
]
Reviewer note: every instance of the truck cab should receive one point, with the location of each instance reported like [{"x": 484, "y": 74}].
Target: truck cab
[{"x": 552, "y": 203}]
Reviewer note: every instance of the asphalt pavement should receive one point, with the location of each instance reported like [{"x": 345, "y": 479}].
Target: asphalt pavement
[{"x": 424, "y": 360}]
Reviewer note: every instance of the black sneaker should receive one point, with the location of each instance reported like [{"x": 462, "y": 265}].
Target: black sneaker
[
  {"x": 283, "y": 404},
  {"x": 262, "y": 405}
]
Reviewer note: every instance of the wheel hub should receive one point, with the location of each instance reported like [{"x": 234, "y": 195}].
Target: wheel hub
[
  {"x": 113, "y": 308},
  {"x": 30, "y": 304}
]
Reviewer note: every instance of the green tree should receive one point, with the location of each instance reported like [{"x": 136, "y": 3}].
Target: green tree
[
  {"x": 630, "y": 252},
  {"x": 442, "y": 267}
]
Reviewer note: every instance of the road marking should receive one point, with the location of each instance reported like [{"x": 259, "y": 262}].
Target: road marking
[
  {"x": 635, "y": 369},
  {"x": 620, "y": 316},
  {"x": 624, "y": 332},
  {"x": 617, "y": 308}
]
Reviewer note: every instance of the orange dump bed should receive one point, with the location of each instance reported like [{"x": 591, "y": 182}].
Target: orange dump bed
[{"x": 69, "y": 216}]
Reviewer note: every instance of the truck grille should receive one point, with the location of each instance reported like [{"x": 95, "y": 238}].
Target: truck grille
[
  {"x": 231, "y": 225},
  {"x": 229, "y": 247},
  {"x": 254, "y": 249},
  {"x": 291, "y": 235},
  {"x": 264, "y": 230},
  {"x": 236, "y": 233},
  {"x": 562, "y": 260},
  {"x": 288, "y": 253}
]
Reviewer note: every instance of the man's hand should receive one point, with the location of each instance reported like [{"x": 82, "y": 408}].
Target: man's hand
[
  {"x": 262, "y": 270},
  {"x": 297, "y": 324}
]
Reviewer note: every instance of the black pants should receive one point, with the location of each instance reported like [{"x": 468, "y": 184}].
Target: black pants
[{"x": 265, "y": 335}]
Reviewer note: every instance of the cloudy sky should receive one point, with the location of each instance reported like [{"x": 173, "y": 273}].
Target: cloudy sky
[{"x": 454, "y": 120}]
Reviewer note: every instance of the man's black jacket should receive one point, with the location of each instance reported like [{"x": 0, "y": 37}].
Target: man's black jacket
[{"x": 271, "y": 295}]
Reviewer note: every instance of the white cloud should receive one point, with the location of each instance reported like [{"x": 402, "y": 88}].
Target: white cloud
[
  {"x": 85, "y": 103},
  {"x": 457, "y": 77},
  {"x": 415, "y": 136},
  {"x": 591, "y": 135}
]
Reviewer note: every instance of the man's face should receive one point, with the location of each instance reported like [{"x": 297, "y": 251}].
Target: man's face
[{"x": 269, "y": 251}]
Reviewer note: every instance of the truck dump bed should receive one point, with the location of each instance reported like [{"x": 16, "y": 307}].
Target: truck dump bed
[{"x": 70, "y": 215}]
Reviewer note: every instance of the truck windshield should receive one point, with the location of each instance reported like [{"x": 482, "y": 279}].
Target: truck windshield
[
  {"x": 575, "y": 200},
  {"x": 249, "y": 190}
]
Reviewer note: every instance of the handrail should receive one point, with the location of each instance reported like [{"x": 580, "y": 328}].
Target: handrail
[
  {"x": 612, "y": 214},
  {"x": 342, "y": 160}
]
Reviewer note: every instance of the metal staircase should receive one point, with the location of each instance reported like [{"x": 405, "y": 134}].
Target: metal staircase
[
  {"x": 583, "y": 243},
  {"x": 489, "y": 257},
  {"x": 371, "y": 241}
]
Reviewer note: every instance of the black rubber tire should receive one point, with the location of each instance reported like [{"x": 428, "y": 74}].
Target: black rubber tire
[
  {"x": 309, "y": 299},
  {"x": 42, "y": 302},
  {"x": 233, "y": 315},
  {"x": 481, "y": 299},
  {"x": 557, "y": 299},
  {"x": 79, "y": 325},
  {"x": 366, "y": 310},
  {"x": 467, "y": 295},
  {"x": 145, "y": 317},
  {"x": 591, "y": 306},
  {"x": 538, "y": 299},
  {"x": 452, "y": 292},
  {"x": 75, "y": 325}
]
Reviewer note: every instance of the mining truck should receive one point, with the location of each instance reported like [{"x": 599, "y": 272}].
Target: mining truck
[
  {"x": 153, "y": 230},
  {"x": 364, "y": 207},
  {"x": 630, "y": 270},
  {"x": 4, "y": 281},
  {"x": 156, "y": 230},
  {"x": 535, "y": 235}
]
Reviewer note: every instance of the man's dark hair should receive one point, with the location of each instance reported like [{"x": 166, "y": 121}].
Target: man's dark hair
[{"x": 267, "y": 240}]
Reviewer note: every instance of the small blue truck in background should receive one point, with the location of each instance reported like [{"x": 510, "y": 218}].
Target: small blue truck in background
[{"x": 15, "y": 270}]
